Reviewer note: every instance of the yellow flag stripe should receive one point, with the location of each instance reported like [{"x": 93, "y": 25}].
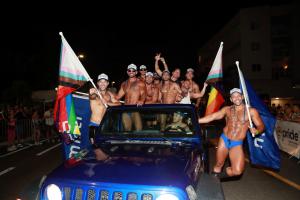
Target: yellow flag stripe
[{"x": 212, "y": 96}]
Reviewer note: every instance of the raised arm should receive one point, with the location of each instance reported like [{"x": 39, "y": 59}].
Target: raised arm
[
  {"x": 214, "y": 116},
  {"x": 166, "y": 68},
  {"x": 200, "y": 94},
  {"x": 157, "y": 58},
  {"x": 259, "y": 124}
]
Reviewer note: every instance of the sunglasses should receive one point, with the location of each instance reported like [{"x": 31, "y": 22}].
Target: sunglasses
[
  {"x": 143, "y": 69},
  {"x": 131, "y": 70}
]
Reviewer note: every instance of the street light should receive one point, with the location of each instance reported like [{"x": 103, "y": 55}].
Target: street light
[
  {"x": 285, "y": 67},
  {"x": 80, "y": 56}
]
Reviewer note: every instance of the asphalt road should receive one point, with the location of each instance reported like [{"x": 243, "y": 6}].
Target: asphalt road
[
  {"x": 26, "y": 170},
  {"x": 257, "y": 184},
  {"x": 21, "y": 171}
]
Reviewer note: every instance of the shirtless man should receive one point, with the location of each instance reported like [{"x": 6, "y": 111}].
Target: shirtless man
[
  {"x": 143, "y": 71},
  {"x": 169, "y": 89},
  {"x": 231, "y": 142},
  {"x": 189, "y": 86},
  {"x": 170, "y": 93},
  {"x": 98, "y": 110},
  {"x": 135, "y": 94},
  {"x": 152, "y": 91},
  {"x": 175, "y": 73}
]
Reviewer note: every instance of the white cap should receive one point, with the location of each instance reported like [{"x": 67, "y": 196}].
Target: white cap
[
  {"x": 235, "y": 90},
  {"x": 132, "y": 66},
  {"x": 190, "y": 70},
  {"x": 149, "y": 74},
  {"x": 102, "y": 76},
  {"x": 143, "y": 67}
]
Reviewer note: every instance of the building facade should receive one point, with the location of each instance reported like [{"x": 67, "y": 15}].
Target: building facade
[{"x": 266, "y": 42}]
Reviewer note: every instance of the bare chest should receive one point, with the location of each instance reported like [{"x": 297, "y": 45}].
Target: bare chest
[{"x": 131, "y": 86}]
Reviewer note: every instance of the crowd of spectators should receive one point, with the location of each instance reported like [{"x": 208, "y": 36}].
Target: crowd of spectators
[
  {"x": 19, "y": 123},
  {"x": 287, "y": 112}
]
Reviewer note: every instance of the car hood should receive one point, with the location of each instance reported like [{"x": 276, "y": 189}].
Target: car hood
[{"x": 169, "y": 171}]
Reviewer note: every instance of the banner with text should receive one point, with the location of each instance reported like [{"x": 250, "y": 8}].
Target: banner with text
[{"x": 287, "y": 137}]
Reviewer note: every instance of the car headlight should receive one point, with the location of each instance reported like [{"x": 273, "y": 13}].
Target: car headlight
[
  {"x": 53, "y": 192},
  {"x": 191, "y": 192},
  {"x": 167, "y": 197}
]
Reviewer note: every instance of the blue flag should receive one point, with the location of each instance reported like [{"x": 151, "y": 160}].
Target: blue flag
[
  {"x": 263, "y": 148},
  {"x": 72, "y": 143}
]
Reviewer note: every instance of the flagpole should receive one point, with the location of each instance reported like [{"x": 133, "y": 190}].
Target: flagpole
[
  {"x": 245, "y": 93},
  {"x": 82, "y": 68}
]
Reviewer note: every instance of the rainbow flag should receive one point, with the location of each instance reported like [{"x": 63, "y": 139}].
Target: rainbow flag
[
  {"x": 215, "y": 74},
  {"x": 214, "y": 77},
  {"x": 72, "y": 75},
  {"x": 214, "y": 102}
]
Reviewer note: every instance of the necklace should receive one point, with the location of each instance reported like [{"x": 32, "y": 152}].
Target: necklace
[{"x": 235, "y": 119}]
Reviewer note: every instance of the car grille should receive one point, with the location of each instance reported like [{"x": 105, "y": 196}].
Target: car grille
[{"x": 83, "y": 193}]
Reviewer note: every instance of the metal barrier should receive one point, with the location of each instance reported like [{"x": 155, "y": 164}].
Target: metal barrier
[{"x": 24, "y": 129}]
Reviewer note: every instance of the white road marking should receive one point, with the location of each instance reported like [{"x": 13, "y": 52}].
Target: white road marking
[
  {"x": 6, "y": 170},
  {"x": 41, "y": 141},
  {"x": 49, "y": 149},
  {"x": 14, "y": 152},
  {"x": 279, "y": 177}
]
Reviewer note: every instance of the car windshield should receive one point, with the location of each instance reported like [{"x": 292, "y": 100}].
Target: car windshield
[{"x": 146, "y": 122}]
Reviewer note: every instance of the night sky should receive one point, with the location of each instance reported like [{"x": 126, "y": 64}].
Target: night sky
[{"x": 110, "y": 40}]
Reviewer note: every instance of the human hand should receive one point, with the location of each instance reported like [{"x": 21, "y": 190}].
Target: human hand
[
  {"x": 93, "y": 91},
  {"x": 163, "y": 59},
  {"x": 157, "y": 57},
  {"x": 179, "y": 97},
  {"x": 139, "y": 103},
  {"x": 253, "y": 131},
  {"x": 205, "y": 84}
]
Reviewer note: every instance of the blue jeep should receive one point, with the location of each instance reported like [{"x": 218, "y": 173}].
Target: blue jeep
[{"x": 155, "y": 152}]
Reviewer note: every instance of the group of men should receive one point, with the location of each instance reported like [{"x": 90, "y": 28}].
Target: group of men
[
  {"x": 166, "y": 88},
  {"x": 147, "y": 88}
]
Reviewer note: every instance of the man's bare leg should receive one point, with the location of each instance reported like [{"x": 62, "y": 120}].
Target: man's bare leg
[
  {"x": 100, "y": 155},
  {"x": 136, "y": 117},
  {"x": 221, "y": 155},
  {"x": 127, "y": 123},
  {"x": 237, "y": 159}
]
